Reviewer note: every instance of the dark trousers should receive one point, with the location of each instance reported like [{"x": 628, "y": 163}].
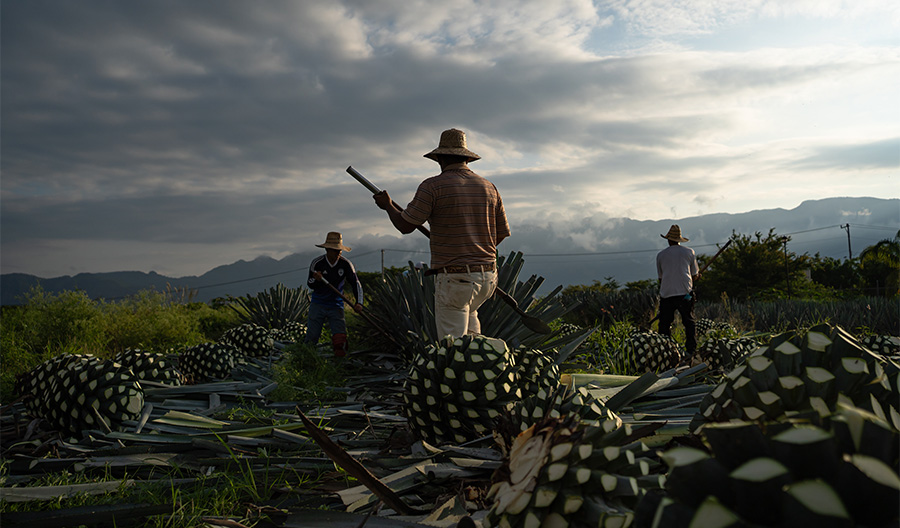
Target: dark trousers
[
  {"x": 667, "y": 308},
  {"x": 318, "y": 316}
]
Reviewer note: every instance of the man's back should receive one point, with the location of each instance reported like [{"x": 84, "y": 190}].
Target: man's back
[
  {"x": 675, "y": 265},
  {"x": 465, "y": 214}
]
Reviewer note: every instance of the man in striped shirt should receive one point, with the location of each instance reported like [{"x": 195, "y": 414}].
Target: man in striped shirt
[{"x": 467, "y": 223}]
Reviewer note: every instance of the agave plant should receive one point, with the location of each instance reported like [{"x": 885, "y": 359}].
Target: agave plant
[
  {"x": 209, "y": 361},
  {"x": 80, "y": 392},
  {"x": 249, "y": 339},
  {"x": 458, "y": 387},
  {"x": 799, "y": 373},
  {"x": 401, "y": 311},
  {"x": 275, "y": 308},
  {"x": 837, "y": 470},
  {"x": 606, "y": 307},
  {"x": 150, "y": 366},
  {"x": 562, "y": 472},
  {"x": 650, "y": 352},
  {"x": 725, "y": 354}
]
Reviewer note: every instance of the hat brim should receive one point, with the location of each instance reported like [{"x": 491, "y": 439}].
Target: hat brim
[
  {"x": 452, "y": 151},
  {"x": 333, "y": 246},
  {"x": 676, "y": 239}
]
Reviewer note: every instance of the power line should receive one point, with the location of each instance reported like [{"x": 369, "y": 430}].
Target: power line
[
  {"x": 874, "y": 227},
  {"x": 586, "y": 254}
]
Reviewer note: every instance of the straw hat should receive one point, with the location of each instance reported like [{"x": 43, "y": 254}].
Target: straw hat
[
  {"x": 333, "y": 241},
  {"x": 453, "y": 142},
  {"x": 674, "y": 234}
]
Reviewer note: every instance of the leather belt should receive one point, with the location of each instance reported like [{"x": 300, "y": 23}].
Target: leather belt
[{"x": 468, "y": 268}]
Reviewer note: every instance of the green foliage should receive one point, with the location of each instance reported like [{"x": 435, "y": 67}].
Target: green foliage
[
  {"x": 603, "y": 349},
  {"x": 305, "y": 374},
  {"x": 70, "y": 323},
  {"x": 879, "y": 265},
  {"x": 753, "y": 265},
  {"x": 222, "y": 495},
  {"x": 611, "y": 285},
  {"x": 604, "y": 307},
  {"x": 369, "y": 279},
  {"x": 403, "y": 308},
  {"x": 837, "y": 274},
  {"x": 274, "y": 308},
  {"x": 859, "y": 315}
]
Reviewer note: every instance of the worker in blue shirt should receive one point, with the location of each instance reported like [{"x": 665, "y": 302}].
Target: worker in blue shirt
[{"x": 326, "y": 304}]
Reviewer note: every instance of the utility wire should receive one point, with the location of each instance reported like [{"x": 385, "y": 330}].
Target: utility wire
[{"x": 589, "y": 254}]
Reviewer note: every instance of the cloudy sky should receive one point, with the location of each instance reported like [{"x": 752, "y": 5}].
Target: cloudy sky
[{"x": 176, "y": 136}]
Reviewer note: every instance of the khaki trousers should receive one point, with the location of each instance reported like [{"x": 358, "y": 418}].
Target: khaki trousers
[{"x": 457, "y": 297}]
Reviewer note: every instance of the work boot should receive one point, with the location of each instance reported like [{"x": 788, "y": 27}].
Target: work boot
[{"x": 339, "y": 344}]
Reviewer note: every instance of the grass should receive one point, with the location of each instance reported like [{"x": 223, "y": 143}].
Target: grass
[
  {"x": 304, "y": 373},
  {"x": 234, "y": 494}
]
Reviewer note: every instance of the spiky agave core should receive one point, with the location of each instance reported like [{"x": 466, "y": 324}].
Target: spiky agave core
[
  {"x": 885, "y": 345},
  {"x": 559, "y": 403},
  {"x": 292, "y": 332},
  {"x": 840, "y": 470},
  {"x": 561, "y": 472},
  {"x": 80, "y": 392},
  {"x": 650, "y": 352},
  {"x": 537, "y": 370},
  {"x": 722, "y": 353},
  {"x": 799, "y": 373},
  {"x": 456, "y": 388},
  {"x": 709, "y": 326},
  {"x": 150, "y": 366},
  {"x": 208, "y": 361},
  {"x": 249, "y": 339}
]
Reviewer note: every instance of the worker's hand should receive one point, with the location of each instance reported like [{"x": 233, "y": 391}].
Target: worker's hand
[
  {"x": 382, "y": 200},
  {"x": 358, "y": 308},
  {"x": 318, "y": 275}
]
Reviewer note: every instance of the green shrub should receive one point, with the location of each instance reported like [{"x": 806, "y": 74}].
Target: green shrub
[{"x": 69, "y": 322}]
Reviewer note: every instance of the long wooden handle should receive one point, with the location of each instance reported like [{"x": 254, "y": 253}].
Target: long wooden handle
[
  {"x": 710, "y": 261},
  {"x": 375, "y": 190}
]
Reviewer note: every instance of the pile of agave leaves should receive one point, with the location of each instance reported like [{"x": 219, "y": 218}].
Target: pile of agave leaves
[{"x": 803, "y": 429}]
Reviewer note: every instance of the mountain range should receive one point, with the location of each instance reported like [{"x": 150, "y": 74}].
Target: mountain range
[{"x": 592, "y": 249}]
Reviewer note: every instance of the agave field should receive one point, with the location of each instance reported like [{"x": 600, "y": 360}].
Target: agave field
[{"x": 788, "y": 416}]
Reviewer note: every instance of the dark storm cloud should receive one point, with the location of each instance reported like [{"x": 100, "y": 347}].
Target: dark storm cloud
[
  {"x": 883, "y": 154},
  {"x": 216, "y": 122}
]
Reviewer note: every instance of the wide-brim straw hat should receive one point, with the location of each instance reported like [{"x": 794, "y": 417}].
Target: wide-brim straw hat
[
  {"x": 333, "y": 241},
  {"x": 674, "y": 234},
  {"x": 453, "y": 142}
]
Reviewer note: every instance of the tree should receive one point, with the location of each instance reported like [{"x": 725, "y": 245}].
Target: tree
[
  {"x": 753, "y": 266},
  {"x": 837, "y": 274},
  {"x": 611, "y": 285},
  {"x": 880, "y": 266}
]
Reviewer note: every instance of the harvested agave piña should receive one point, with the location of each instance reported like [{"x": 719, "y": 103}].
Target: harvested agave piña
[
  {"x": 725, "y": 353},
  {"x": 559, "y": 403},
  {"x": 208, "y": 361},
  {"x": 650, "y": 352},
  {"x": 249, "y": 339},
  {"x": 842, "y": 472},
  {"x": 150, "y": 366},
  {"x": 885, "y": 345},
  {"x": 706, "y": 326},
  {"x": 801, "y": 373},
  {"x": 292, "y": 332},
  {"x": 537, "y": 370},
  {"x": 75, "y": 393},
  {"x": 456, "y": 388},
  {"x": 563, "y": 473}
]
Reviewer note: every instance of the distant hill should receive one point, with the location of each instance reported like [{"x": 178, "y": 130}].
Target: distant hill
[{"x": 626, "y": 251}]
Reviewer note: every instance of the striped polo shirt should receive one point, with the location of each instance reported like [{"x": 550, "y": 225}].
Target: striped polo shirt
[{"x": 465, "y": 215}]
